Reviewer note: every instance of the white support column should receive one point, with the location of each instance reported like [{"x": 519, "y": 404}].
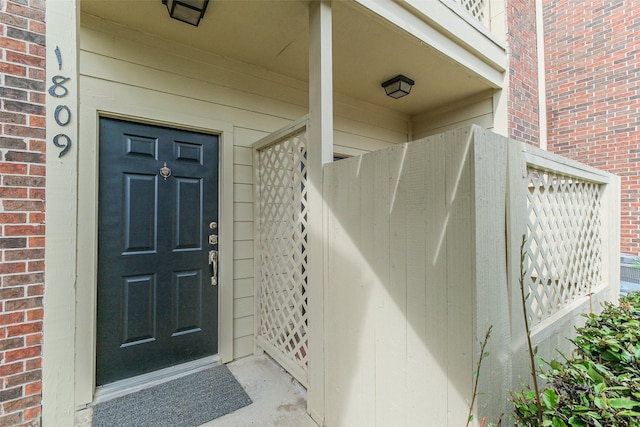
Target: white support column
[
  {"x": 319, "y": 152},
  {"x": 59, "y": 350}
]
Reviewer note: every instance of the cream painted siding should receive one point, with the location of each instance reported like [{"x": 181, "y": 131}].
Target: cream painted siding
[
  {"x": 243, "y": 266},
  {"x": 128, "y": 74},
  {"x": 470, "y": 112}
]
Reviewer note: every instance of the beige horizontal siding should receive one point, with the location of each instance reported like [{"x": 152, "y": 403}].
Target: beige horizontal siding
[
  {"x": 243, "y": 230},
  {"x": 477, "y": 111},
  {"x": 243, "y": 287}
]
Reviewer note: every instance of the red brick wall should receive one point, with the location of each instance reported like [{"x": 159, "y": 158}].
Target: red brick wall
[
  {"x": 22, "y": 174},
  {"x": 522, "y": 102},
  {"x": 593, "y": 88}
]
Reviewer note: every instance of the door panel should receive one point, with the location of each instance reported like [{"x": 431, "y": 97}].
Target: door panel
[
  {"x": 188, "y": 303},
  {"x": 156, "y": 306},
  {"x": 188, "y": 227},
  {"x": 140, "y": 212},
  {"x": 138, "y": 309}
]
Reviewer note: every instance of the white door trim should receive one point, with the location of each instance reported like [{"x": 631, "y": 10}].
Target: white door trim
[{"x": 124, "y": 104}]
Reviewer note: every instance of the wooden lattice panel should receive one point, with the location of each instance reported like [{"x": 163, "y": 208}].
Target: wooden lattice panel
[
  {"x": 563, "y": 245},
  {"x": 282, "y": 237},
  {"x": 474, "y": 7}
]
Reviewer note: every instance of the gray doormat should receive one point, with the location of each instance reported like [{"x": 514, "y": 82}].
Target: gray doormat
[{"x": 184, "y": 402}]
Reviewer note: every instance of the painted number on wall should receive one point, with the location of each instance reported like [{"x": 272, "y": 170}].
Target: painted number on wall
[{"x": 62, "y": 114}]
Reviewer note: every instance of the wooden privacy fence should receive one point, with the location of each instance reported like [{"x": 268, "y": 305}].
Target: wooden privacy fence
[{"x": 423, "y": 247}]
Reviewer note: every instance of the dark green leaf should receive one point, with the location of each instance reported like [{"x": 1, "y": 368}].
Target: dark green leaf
[
  {"x": 550, "y": 398},
  {"x": 557, "y": 422}
]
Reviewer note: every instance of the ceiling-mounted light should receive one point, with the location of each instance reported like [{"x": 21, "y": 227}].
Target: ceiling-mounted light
[
  {"x": 189, "y": 11},
  {"x": 398, "y": 86}
]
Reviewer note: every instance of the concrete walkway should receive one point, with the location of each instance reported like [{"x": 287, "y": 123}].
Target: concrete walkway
[{"x": 278, "y": 399}]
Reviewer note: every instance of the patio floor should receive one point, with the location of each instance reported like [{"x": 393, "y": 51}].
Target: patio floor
[{"x": 278, "y": 399}]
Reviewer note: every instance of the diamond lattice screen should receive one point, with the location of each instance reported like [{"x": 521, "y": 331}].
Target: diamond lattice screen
[
  {"x": 563, "y": 244},
  {"x": 474, "y": 7},
  {"x": 282, "y": 236}
]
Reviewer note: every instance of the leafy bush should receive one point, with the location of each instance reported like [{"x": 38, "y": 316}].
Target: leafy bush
[{"x": 600, "y": 384}]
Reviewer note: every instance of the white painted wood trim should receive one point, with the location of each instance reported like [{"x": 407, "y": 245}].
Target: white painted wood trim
[
  {"x": 545, "y": 329},
  {"x": 542, "y": 75},
  {"x": 319, "y": 152},
  {"x": 542, "y": 159},
  {"x": 491, "y": 303},
  {"x": 516, "y": 228},
  {"x": 296, "y": 372},
  {"x": 610, "y": 217},
  {"x": 257, "y": 253},
  {"x": 225, "y": 234},
  {"x": 59, "y": 345},
  {"x": 281, "y": 134}
]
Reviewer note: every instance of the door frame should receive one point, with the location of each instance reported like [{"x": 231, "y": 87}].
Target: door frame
[
  {"x": 175, "y": 259},
  {"x": 120, "y": 106}
]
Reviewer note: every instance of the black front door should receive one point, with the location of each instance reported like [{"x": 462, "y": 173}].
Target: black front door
[{"x": 157, "y": 306}]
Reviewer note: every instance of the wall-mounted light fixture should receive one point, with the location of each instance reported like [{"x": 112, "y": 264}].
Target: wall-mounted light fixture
[
  {"x": 189, "y": 11},
  {"x": 398, "y": 86}
]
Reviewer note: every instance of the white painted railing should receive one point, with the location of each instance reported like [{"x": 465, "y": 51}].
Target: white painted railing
[
  {"x": 569, "y": 214},
  {"x": 563, "y": 237},
  {"x": 475, "y": 8},
  {"x": 281, "y": 248}
]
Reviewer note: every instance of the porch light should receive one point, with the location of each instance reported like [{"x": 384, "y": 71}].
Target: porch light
[
  {"x": 398, "y": 86},
  {"x": 189, "y": 11}
]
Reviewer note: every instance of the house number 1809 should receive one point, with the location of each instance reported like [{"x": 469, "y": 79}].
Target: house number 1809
[{"x": 62, "y": 113}]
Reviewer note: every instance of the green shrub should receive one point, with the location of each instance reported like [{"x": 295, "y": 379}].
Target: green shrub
[{"x": 600, "y": 384}]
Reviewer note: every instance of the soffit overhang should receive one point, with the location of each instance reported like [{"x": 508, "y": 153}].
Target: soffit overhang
[{"x": 372, "y": 41}]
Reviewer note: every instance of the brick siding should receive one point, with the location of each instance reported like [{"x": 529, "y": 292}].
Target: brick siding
[
  {"x": 523, "y": 71},
  {"x": 593, "y": 88},
  {"x": 22, "y": 174}
]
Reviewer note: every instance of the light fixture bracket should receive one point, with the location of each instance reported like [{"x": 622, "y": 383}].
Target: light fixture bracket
[
  {"x": 398, "y": 86},
  {"x": 189, "y": 11}
]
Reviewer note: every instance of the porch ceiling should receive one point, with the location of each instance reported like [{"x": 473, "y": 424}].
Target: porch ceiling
[{"x": 274, "y": 35}]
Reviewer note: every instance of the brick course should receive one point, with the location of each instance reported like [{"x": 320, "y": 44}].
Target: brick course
[
  {"x": 592, "y": 52},
  {"x": 22, "y": 180}
]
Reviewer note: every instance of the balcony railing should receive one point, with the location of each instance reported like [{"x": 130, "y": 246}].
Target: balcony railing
[{"x": 475, "y": 8}]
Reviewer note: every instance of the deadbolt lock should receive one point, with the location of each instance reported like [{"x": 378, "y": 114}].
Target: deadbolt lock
[{"x": 213, "y": 239}]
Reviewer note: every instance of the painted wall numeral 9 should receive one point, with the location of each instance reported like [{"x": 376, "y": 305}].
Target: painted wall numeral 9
[{"x": 62, "y": 114}]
